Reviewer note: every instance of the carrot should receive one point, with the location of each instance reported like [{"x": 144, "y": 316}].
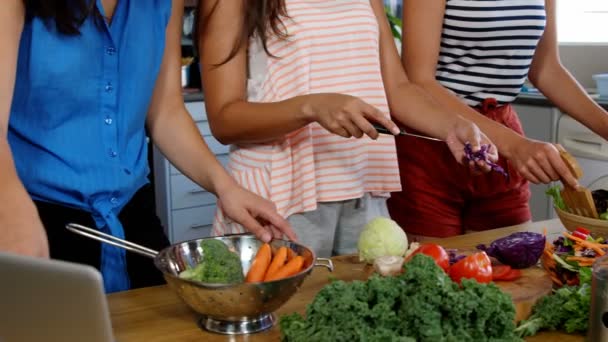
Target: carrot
[
  {"x": 582, "y": 259},
  {"x": 555, "y": 280},
  {"x": 290, "y": 254},
  {"x": 260, "y": 264},
  {"x": 545, "y": 231},
  {"x": 277, "y": 262},
  {"x": 292, "y": 267},
  {"x": 595, "y": 246}
]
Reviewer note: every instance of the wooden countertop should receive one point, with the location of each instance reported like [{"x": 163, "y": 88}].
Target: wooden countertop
[{"x": 155, "y": 314}]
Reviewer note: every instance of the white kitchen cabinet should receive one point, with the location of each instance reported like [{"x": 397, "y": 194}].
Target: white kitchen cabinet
[
  {"x": 185, "y": 209},
  {"x": 540, "y": 123}
]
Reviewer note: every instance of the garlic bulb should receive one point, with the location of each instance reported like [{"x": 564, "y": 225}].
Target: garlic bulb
[{"x": 388, "y": 265}]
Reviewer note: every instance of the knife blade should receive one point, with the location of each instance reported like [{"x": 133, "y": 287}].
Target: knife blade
[{"x": 383, "y": 130}]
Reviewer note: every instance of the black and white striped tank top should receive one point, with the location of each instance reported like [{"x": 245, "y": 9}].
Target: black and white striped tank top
[{"x": 487, "y": 47}]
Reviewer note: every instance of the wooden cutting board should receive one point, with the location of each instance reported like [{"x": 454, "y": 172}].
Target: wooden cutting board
[{"x": 525, "y": 291}]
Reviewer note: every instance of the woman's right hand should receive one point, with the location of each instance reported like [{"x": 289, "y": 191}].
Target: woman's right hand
[
  {"x": 346, "y": 115},
  {"x": 539, "y": 162}
]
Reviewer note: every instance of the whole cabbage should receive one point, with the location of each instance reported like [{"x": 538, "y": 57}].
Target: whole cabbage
[
  {"x": 518, "y": 250},
  {"x": 381, "y": 237}
]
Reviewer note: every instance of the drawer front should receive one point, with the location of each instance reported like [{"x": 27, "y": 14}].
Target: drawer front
[
  {"x": 215, "y": 146},
  {"x": 222, "y": 158},
  {"x": 197, "y": 110},
  {"x": 203, "y": 127},
  {"x": 192, "y": 223},
  {"x": 185, "y": 193}
]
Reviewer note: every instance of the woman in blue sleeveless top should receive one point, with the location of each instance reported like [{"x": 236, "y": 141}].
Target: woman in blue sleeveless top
[{"x": 81, "y": 82}]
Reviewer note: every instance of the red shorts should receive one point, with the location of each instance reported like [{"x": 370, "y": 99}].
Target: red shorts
[{"x": 441, "y": 198}]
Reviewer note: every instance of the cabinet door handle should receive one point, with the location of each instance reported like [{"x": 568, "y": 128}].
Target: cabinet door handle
[
  {"x": 197, "y": 191},
  {"x": 198, "y": 226}
]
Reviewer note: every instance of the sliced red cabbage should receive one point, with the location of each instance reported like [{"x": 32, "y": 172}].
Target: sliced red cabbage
[{"x": 482, "y": 155}]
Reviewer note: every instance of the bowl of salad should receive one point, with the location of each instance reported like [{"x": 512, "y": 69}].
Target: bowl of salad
[
  {"x": 572, "y": 221},
  {"x": 569, "y": 258}
]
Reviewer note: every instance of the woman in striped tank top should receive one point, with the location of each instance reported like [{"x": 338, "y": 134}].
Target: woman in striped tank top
[
  {"x": 291, "y": 86},
  {"x": 473, "y": 56}
]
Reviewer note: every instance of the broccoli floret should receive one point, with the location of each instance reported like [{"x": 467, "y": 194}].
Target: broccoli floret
[{"x": 218, "y": 265}]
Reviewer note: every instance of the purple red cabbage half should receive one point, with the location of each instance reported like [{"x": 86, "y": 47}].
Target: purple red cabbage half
[
  {"x": 454, "y": 256},
  {"x": 482, "y": 155},
  {"x": 518, "y": 250}
]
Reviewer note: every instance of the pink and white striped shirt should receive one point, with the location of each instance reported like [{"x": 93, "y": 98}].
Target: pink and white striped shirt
[{"x": 332, "y": 47}]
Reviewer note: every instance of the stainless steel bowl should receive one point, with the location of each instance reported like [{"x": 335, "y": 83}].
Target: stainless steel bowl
[{"x": 224, "y": 308}]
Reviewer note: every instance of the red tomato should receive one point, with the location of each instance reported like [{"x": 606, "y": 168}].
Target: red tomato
[
  {"x": 499, "y": 271},
  {"x": 436, "y": 252},
  {"x": 579, "y": 235},
  {"x": 583, "y": 230},
  {"x": 477, "y": 266},
  {"x": 513, "y": 274}
]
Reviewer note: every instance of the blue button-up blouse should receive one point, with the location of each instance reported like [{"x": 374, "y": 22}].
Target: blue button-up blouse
[{"x": 77, "y": 119}]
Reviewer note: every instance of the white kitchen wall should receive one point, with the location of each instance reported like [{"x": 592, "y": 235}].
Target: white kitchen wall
[{"x": 584, "y": 61}]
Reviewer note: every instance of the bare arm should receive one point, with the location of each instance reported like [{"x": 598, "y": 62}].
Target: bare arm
[
  {"x": 549, "y": 75},
  {"x": 231, "y": 117},
  {"x": 408, "y": 102},
  {"x": 176, "y": 135},
  {"x": 412, "y": 105},
  {"x": 235, "y": 120},
  {"x": 422, "y": 24},
  {"x": 22, "y": 231}
]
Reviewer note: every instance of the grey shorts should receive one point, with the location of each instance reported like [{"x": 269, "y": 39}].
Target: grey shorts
[{"x": 334, "y": 227}]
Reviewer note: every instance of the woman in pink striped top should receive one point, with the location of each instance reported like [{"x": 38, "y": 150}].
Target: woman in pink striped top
[{"x": 293, "y": 85}]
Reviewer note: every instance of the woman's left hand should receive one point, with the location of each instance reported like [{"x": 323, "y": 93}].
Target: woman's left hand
[
  {"x": 466, "y": 132},
  {"x": 254, "y": 213}
]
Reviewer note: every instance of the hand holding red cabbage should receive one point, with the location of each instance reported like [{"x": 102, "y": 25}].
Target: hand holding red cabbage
[{"x": 483, "y": 156}]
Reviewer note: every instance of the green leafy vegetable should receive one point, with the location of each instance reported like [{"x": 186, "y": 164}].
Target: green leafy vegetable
[
  {"x": 394, "y": 22},
  {"x": 218, "y": 266},
  {"x": 422, "y": 304},
  {"x": 381, "y": 237},
  {"x": 555, "y": 193},
  {"x": 585, "y": 275},
  {"x": 566, "y": 309}
]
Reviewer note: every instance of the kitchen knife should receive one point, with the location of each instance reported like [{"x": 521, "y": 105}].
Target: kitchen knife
[{"x": 383, "y": 130}]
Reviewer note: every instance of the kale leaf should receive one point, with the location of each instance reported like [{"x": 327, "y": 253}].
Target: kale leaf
[
  {"x": 566, "y": 309},
  {"x": 422, "y": 304}
]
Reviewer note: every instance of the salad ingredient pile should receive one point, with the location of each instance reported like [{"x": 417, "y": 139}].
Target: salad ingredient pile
[
  {"x": 420, "y": 304},
  {"x": 569, "y": 259},
  {"x": 600, "y": 199},
  {"x": 566, "y": 309},
  {"x": 381, "y": 237},
  {"x": 518, "y": 250},
  {"x": 219, "y": 265}
]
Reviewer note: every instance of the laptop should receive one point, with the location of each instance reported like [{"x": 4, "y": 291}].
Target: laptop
[{"x": 45, "y": 300}]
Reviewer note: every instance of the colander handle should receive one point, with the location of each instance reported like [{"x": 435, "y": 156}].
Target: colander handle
[
  {"x": 112, "y": 240},
  {"x": 325, "y": 262}
]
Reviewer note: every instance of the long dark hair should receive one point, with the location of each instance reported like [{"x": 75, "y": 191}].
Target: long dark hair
[
  {"x": 66, "y": 15},
  {"x": 258, "y": 17}
]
